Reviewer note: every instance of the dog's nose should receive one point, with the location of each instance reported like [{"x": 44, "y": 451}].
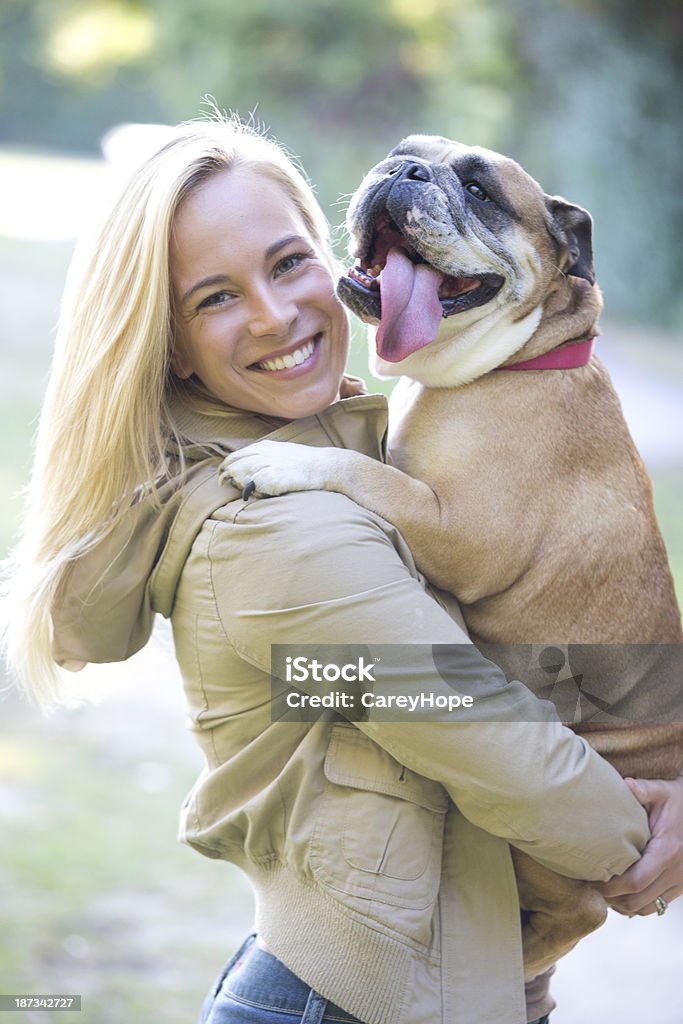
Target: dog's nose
[{"x": 412, "y": 170}]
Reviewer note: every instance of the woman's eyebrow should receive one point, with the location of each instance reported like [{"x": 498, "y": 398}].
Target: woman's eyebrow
[
  {"x": 206, "y": 282},
  {"x": 272, "y": 250}
]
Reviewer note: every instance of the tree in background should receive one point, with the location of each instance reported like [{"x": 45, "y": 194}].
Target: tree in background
[
  {"x": 585, "y": 93},
  {"x": 599, "y": 119},
  {"x": 69, "y": 70}
]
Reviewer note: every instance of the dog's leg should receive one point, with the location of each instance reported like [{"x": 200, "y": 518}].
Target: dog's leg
[
  {"x": 556, "y": 911},
  {"x": 278, "y": 467}
]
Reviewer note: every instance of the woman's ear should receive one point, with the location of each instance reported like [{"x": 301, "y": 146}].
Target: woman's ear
[{"x": 180, "y": 364}]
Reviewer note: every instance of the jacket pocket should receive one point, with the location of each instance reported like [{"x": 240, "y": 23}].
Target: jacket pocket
[{"x": 379, "y": 834}]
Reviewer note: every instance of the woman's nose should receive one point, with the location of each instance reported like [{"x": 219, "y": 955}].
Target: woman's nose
[{"x": 271, "y": 312}]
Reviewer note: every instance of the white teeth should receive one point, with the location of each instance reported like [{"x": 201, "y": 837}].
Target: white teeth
[{"x": 300, "y": 355}]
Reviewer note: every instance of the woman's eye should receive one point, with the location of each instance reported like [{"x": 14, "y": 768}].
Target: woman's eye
[
  {"x": 475, "y": 189},
  {"x": 215, "y": 299},
  {"x": 292, "y": 261}
]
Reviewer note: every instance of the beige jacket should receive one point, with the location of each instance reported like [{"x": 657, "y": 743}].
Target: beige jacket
[{"x": 378, "y": 850}]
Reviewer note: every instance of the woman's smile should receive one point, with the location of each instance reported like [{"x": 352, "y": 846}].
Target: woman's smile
[
  {"x": 297, "y": 357},
  {"x": 257, "y": 318}
]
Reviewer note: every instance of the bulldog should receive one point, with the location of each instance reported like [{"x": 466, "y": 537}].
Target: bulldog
[{"x": 513, "y": 476}]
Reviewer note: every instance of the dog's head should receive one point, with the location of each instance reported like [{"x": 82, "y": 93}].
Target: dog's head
[{"x": 457, "y": 244}]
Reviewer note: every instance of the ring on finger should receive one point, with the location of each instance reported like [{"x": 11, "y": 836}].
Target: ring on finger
[{"x": 661, "y": 906}]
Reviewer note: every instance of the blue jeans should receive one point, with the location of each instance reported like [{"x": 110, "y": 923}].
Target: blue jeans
[{"x": 256, "y": 988}]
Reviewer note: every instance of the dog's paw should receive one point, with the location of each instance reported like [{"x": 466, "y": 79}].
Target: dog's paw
[{"x": 269, "y": 468}]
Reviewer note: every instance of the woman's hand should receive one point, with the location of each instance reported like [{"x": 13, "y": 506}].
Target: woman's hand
[{"x": 659, "y": 872}]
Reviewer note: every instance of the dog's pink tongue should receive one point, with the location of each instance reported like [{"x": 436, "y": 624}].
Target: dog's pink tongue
[{"x": 411, "y": 311}]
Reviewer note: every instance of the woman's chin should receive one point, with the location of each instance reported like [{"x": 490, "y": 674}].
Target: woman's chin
[{"x": 308, "y": 401}]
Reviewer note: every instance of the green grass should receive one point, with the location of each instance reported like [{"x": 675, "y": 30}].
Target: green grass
[{"x": 98, "y": 897}]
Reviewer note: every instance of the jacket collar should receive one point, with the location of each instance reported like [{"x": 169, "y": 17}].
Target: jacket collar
[{"x": 359, "y": 423}]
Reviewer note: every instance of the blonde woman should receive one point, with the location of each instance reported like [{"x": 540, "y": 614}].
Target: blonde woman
[{"x": 200, "y": 316}]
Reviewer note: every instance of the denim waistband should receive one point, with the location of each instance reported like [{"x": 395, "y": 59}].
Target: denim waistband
[{"x": 259, "y": 979}]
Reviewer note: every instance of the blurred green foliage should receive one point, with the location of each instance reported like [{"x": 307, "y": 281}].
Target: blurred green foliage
[{"x": 585, "y": 93}]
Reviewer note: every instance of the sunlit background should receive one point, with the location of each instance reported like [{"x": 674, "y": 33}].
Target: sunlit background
[{"x": 97, "y": 898}]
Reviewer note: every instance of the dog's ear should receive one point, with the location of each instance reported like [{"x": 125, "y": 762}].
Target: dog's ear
[{"x": 572, "y": 227}]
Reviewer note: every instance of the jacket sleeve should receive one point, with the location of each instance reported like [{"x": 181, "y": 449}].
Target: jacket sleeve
[{"x": 315, "y": 568}]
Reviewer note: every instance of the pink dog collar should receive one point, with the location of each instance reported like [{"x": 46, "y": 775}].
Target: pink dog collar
[{"x": 565, "y": 357}]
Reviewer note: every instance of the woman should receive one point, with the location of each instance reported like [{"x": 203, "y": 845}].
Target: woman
[{"x": 200, "y": 317}]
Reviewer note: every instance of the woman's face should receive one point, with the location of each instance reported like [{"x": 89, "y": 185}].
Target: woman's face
[{"x": 257, "y": 319}]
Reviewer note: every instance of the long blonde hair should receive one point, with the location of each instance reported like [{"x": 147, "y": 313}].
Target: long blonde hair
[{"x": 106, "y": 420}]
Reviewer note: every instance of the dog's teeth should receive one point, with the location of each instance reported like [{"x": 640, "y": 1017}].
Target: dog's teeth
[{"x": 366, "y": 277}]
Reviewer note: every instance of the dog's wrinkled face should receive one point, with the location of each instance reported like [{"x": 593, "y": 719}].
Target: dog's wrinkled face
[{"x": 452, "y": 241}]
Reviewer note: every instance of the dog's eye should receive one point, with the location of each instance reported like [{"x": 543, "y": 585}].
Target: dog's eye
[{"x": 475, "y": 189}]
